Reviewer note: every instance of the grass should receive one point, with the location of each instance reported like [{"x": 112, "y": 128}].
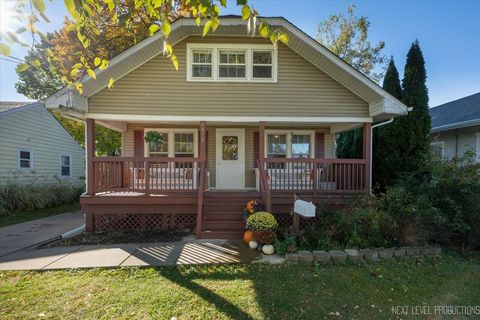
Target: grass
[
  {"x": 242, "y": 291},
  {"x": 23, "y": 216}
]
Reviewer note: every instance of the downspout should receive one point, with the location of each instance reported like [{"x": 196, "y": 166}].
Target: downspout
[{"x": 371, "y": 151}]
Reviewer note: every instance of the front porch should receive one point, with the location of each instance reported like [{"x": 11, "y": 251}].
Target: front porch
[{"x": 147, "y": 191}]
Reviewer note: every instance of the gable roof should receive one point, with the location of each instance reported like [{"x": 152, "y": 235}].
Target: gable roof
[
  {"x": 382, "y": 104},
  {"x": 459, "y": 113},
  {"x": 7, "y": 108},
  {"x": 10, "y": 105}
]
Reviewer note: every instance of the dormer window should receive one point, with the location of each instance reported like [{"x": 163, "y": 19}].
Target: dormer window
[{"x": 231, "y": 62}]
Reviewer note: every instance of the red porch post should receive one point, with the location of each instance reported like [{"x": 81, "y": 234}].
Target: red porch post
[
  {"x": 261, "y": 161},
  {"x": 367, "y": 150},
  {"x": 90, "y": 145},
  {"x": 202, "y": 154}
]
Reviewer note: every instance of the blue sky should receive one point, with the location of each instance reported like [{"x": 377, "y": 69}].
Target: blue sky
[{"x": 448, "y": 32}]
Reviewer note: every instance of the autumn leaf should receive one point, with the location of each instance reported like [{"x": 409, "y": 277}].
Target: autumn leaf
[
  {"x": 4, "y": 49},
  {"x": 207, "y": 26},
  {"x": 97, "y": 61},
  {"x": 22, "y": 67},
  {"x": 91, "y": 73},
  {"x": 79, "y": 87},
  {"x": 110, "y": 83}
]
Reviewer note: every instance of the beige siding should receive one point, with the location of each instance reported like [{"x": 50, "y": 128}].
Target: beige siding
[
  {"x": 211, "y": 146},
  {"x": 35, "y": 129},
  {"x": 156, "y": 88}
]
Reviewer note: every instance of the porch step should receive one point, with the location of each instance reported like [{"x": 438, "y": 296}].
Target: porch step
[
  {"x": 215, "y": 225},
  {"x": 225, "y": 234}
]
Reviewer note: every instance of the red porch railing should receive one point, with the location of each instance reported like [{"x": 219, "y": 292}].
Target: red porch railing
[
  {"x": 315, "y": 174},
  {"x": 145, "y": 175}
]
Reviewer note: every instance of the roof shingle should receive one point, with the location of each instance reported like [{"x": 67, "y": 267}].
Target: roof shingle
[{"x": 452, "y": 114}]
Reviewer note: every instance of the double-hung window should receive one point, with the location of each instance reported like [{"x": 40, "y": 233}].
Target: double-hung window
[
  {"x": 202, "y": 64},
  {"x": 159, "y": 149},
  {"x": 231, "y": 62},
  {"x": 65, "y": 166},
  {"x": 184, "y": 145},
  {"x": 25, "y": 159},
  {"x": 276, "y": 145},
  {"x": 289, "y": 144},
  {"x": 178, "y": 143},
  {"x": 301, "y": 145},
  {"x": 262, "y": 64}
]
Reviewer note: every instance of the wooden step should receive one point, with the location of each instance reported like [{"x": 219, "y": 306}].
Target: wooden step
[
  {"x": 225, "y": 234},
  {"x": 234, "y": 225}
]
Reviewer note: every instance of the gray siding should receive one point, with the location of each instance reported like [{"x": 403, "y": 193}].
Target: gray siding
[
  {"x": 155, "y": 88},
  {"x": 458, "y": 141},
  {"x": 35, "y": 129}
]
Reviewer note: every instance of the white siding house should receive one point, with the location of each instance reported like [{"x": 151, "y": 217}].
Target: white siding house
[
  {"x": 456, "y": 127},
  {"x": 35, "y": 148}
]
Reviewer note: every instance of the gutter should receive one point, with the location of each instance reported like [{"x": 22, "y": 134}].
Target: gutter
[{"x": 371, "y": 151}]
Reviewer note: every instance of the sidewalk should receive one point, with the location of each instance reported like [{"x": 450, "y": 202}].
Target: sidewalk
[
  {"x": 120, "y": 255},
  {"x": 26, "y": 234}
]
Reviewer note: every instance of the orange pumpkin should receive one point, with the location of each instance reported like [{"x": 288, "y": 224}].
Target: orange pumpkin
[{"x": 247, "y": 236}]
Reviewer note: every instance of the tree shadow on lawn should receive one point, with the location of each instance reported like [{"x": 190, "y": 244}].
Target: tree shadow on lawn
[
  {"x": 184, "y": 276},
  {"x": 308, "y": 292}
]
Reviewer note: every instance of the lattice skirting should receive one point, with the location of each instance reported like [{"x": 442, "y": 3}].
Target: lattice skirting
[
  {"x": 306, "y": 222},
  {"x": 110, "y": 222},
  {"x": 284, "y": 220}
]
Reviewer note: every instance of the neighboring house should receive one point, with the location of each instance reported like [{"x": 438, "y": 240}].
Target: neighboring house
[
  {"x": 456, "y": 127},
  {"x": 241, "y": 119},
  {"x": 35, "y": 148}
]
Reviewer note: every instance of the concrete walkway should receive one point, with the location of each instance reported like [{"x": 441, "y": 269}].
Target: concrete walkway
[
  {"x": 119, "y": 255},
  {"x": 27, "y": 234}
]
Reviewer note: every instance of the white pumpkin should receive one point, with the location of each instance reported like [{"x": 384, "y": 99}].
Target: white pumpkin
[
  {"x": 268, "y": 249},
  {"x": 253, "y": 244}
]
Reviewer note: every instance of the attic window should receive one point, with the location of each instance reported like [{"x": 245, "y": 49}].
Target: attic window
[
  {"x": 202, "y": 64},
  {"x": 231, "y": 62},
  {"x": 262, "y": 64}
]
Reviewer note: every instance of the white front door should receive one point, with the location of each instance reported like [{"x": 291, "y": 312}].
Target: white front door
[{"x": 230, "y": 165}]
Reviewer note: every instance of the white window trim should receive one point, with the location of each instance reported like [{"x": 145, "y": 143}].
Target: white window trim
[
  {"x": 190, "y": 66},
  {"x": 289, "y": 134},
  {"x": 70, "y": 165},
  {"x": 248, "y": 48},
  {"x": 31, "y": 159},
  {"x": 441, "y": 144},
  {"x": 236, "y": 51},
  {"x": 171, "y": 140}
]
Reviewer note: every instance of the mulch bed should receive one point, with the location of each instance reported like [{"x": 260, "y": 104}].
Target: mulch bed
[{"x": 115, "y": 237}]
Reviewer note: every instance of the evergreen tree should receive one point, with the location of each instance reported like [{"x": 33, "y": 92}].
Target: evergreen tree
[
  {"x": 384, "y": 135},
  {"x": 404, "y": 144}
]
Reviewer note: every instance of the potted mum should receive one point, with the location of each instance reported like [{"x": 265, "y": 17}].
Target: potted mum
[{"x": 263, "y": 226}]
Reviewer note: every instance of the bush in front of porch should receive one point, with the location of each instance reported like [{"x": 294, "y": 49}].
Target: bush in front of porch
[{"x": 442, "y": 209}]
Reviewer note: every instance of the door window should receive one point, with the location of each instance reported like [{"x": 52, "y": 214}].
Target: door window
[{"x": 230, "y": 147}]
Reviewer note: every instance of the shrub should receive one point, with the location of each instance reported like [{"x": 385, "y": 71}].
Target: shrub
[
  {"x": 285, "y": 243},
  {"x": 407, "y": 206},
  {"x": 262, "y": 221},
  {"x": 361, "y": 226},
  {"x": 16, "y": 197},
  {"x": 455, "y": 193}
]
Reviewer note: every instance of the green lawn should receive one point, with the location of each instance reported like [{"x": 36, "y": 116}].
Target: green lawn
[
  {"x": 23, "y": 216},
  {"x": 241, "y": 291}
]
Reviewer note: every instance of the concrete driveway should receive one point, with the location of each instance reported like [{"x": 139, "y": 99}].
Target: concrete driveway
[{"x": 27, "y": 234}]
